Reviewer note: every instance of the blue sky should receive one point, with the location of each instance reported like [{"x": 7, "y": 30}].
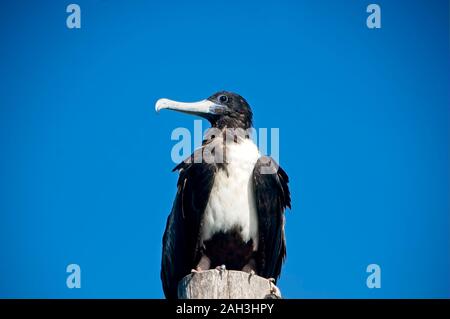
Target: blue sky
[{"x": 363, "y": 115}]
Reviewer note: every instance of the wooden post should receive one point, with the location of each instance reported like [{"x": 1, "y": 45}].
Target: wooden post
[{"x": 226, "y": 284}]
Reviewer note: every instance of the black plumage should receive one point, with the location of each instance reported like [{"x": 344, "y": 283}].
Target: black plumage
[{"x": 182, "y": 245}]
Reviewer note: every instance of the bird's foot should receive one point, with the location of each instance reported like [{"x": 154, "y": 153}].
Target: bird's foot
[
  {"x": 221, "y": 268},
  {"x": 274, "y": 289},
  {"x": 196, "y": 270},
  {"x": 250, "y": 267},
  {"x": 251, "y": 273},
  {"x": 203, "y": 264}
]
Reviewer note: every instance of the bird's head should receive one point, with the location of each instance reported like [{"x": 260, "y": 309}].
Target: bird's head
[{"x": 222, "y": 109}]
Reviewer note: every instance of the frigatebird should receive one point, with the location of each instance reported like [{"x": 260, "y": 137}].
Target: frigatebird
[{"x": 229, "y": 207}]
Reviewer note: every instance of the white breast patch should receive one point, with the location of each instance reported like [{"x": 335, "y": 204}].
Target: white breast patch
[{"x": 232, "y": 202}]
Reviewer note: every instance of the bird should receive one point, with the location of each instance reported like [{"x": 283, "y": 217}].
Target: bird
[{"x": 229, "y": 208}]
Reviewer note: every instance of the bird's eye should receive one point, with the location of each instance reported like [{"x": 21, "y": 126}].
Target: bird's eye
[{"x": 223, "y": 98}]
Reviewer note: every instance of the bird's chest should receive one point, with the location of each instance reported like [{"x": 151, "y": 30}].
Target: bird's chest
[{"x": 231, "y": 205}]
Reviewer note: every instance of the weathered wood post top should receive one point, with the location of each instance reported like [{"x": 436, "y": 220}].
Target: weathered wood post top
[{"x": 226, "y": 284}]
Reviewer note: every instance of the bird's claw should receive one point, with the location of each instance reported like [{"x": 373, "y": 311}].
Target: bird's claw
[
  {"x": 251, "y": 273},
  {"x": 221, "y": 268},
  {"x": 274, "y": 289}
]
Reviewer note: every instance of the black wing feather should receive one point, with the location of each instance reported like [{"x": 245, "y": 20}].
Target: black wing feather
[
  {"x": 181, "y": 237},
  {"x": 272, "y": 197}
]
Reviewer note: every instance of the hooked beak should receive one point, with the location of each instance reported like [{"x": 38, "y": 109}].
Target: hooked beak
[{"x": 201, "y": 108}]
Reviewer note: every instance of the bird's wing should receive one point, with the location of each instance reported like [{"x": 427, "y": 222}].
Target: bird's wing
[
  {"x": 182, "y": 235},
  {"x": 272, "y": 196}
]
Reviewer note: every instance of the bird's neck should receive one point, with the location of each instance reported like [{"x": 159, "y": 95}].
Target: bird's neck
[
  {"x": 228, "y": 134},
  {"x": 235, "y": 121}
]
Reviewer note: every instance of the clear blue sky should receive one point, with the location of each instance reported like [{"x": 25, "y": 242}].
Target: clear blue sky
[{"x": 85, "y": 166}]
